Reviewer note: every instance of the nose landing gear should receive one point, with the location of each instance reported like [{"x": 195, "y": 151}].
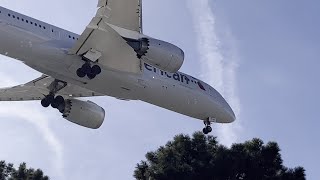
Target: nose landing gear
[
  {"x": 207, "y": 129},
  {"x": 87, "y": 70}
]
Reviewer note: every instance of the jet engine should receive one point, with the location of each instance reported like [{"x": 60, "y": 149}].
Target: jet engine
[
  {"x": 83, "y": 113},
  {"x": 160, "y": 54}
]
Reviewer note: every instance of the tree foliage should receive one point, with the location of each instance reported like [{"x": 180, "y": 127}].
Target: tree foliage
[
  {"x": 202, "y": 157},
  {"x": 8, "y": 172}
]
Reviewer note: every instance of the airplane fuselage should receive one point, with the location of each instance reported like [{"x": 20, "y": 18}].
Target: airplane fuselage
[{"x": 44, "y": 48}]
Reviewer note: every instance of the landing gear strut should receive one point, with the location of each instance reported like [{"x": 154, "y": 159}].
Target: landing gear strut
[
  {"x": 207, "y": 129},
  {"x": 87, "y": 70}
]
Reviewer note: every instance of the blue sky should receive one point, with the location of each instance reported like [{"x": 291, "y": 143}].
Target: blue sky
[
  {"x": 278, "y": 44},
  {"x": 262, "y": 56}
]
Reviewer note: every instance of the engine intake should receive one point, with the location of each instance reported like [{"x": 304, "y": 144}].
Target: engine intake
[
  {"x": 83, "y": 113},
  {"x": 160, "y": 54}
]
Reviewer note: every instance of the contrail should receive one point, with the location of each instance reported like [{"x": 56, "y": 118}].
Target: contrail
[
  {"x": 218, "y": 68},
  {"x": 39, "y": 120}
]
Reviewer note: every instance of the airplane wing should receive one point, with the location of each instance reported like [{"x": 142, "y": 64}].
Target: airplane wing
[
  {"x": 124, "y": 13},
  {"x": 100, "y": 42},
  {"x": 38, "y": 88}
]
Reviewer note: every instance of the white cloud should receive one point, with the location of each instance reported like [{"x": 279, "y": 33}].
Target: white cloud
[
  {"x": 218, "y": 68},
  {"x": 32, "y": 115}
]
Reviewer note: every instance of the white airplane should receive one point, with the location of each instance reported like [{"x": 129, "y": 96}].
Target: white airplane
[{"x": 112, "y": 57}]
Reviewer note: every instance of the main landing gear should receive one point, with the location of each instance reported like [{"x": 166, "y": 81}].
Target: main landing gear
[
  {"x": 87, "y": 70},
  {"x": 56, "y": 102},
  {"x": 207, "y": 129}
]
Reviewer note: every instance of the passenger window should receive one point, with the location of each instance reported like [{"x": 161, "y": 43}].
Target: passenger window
[
  {"x": 13, "y": 16},
  {"x": 35, "y": 24},
  {"x": 44, "y": 27},
  {"x": 18, "y": 18},
  {"x": 39, "y": 25},
  {"x": 31, "y": 22},
  {"x": 27, "y": 21},
  {"x": 69, "y": 36},
  {"x": 9, "y": 15},
  {"x": 22, "y": 19}
]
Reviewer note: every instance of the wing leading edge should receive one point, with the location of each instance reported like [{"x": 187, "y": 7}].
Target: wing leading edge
[{"x": 38, "y": 89}]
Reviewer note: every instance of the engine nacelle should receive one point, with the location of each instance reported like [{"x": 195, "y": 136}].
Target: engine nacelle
[
  {"x": 160, "y": 54},
  {"x": 84, "y": 113}
]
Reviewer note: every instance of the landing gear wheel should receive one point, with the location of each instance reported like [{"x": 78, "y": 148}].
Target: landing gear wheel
[
  {"x": 59, "y": 100},
  {"x": 54, "y": 104},
  {"x": 50, "y": 98},
  {"x": 207, "y": 129},
  {"x": 96, "y": 69},
  {"x": 86, "y": 68},
  {"x": 91, "y": 75},
  {"x": 45, "y": 103},
  {"x": 62, "y": 107},
  {"x": 81, "y": 73}
]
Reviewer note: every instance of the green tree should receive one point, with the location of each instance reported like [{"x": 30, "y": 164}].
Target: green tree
[
  {"x": 8, "y": 172},
  {"x": 202, "y": 157}
]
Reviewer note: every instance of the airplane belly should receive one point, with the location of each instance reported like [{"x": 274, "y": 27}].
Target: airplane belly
[
  {"x": 174, "y": 97},
  {"x": 41, "y": 54},
  {"x": 30, "y": 48},
  {"x": 16, "y": 43},
  {"x": 8, "y": 42}
]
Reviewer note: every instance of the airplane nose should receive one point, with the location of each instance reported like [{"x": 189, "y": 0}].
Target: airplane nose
[
  {"x": 229, "y": 115},
  {"x": 224, "y": 112}
]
